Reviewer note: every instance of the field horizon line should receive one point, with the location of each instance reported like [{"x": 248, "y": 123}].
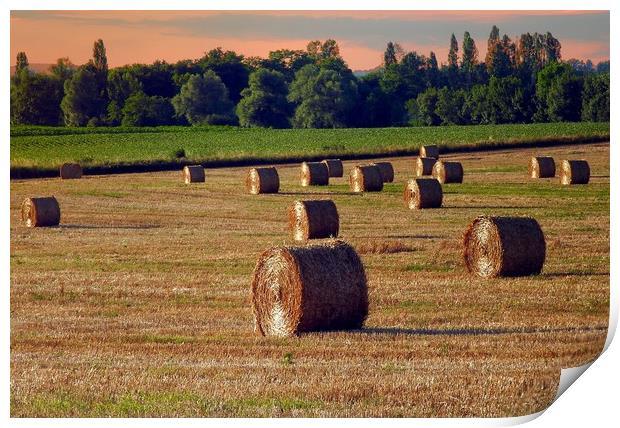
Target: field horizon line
[{"x": 20, "y": 173}]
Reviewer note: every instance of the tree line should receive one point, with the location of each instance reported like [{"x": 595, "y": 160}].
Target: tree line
[{"x": 518, "y": 81}]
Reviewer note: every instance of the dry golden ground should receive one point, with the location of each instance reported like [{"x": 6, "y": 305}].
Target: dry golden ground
[{"x": 138, "y": 304}]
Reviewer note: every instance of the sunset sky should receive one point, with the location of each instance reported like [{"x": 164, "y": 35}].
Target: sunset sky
[{"x": 144, "y": 36}]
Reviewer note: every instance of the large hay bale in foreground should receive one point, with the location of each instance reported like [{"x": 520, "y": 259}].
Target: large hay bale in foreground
[
  {"x": 41, "y": 212},
  {"x": 429, "y": 152},
  {"x": 423, "y": 193},
  {"x": 366, "y": 178},
  {"x": 262, "y": 180},
  {"x": 194, "y": 174},
  {"x": 424, "y": 166},
  {"x": 574, "y": 172},
  {"x": 70, "y": 171},
  {"x": 310, "y": 288},
  {"x": 448, "y": 172},
  {"x": 387, "y": 171},
  {"x": 314, "y": 174},
  {"x": 504, "y": 246},
  {"x": 334, "y": 167},
  {"x": 542, "y": 167},
  {"x": 313, "y": 220}
]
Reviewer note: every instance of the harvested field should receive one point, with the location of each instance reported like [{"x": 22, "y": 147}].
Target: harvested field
[{"x": 139, "y": 304}]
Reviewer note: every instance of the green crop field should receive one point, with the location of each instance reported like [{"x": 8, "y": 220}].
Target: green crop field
[{"x": 40, "y": 150}]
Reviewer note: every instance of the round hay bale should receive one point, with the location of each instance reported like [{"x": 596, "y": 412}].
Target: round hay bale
[
  {"x": 424, "y": 166},
  {"x": 504, "y": 246},
  {"x": 314, "y": 174},
  {"x": 423, "y": 193},
  {"x": 334, "y": 167},
  {"x": 574, "y": 172},
  {"x": 429, "y": 152},
  {"x": 366, "y": 178},
  {"x": 448, "y": 172},
  {"x": 41, "y": 212},
  {"x": 542, "y": 167},
  {"x": 309, "y": 288},
  {"x": 313, "y": 220},
  {"x": 262, "y": 180},
  {"x": 387, "y": 171},
  {"x": 70, "y": 171},
  {"x": 194, "y": 174}
]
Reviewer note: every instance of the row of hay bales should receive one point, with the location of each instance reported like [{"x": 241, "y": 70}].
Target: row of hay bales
[
  {"x": 322, "y": 287},
  {"x": 571, "y": 171},
  {"x": 305, "y": 288}
]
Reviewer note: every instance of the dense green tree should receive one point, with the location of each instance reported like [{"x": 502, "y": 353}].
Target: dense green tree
[
  {"x": 565, "y": 100},
  {"x": 477, "y": 105},
  {"x": 552, "y": 48},
  {"x": 122, "y": 84},
  {"x": 500, "y": 55},
  {"x": 453, "y": 53},
  {"x": 595, "y": 104},
  {"x": 321, "y": 52},
  {"x": 469, "y": 60},
  {"x": 450, "y": 105},
  {"x": 35, "y": 98},
  {"x": 406, "y": 79},
  {"x": 376, "y": 105},
  {"x": 433, "y": 75},
  {"x": 558, "y": 91},
  {"x": 100, "y": 59},
  {"x": 141, "y": 110},
  {"x": 63, "y": 69},
  {"x": 229, "y": 67},
  {"x": 470, "y": 53},
  {"x": 426, "y": 107},
  {"x": 83, "y": 99},
  {"x": 157, "y": 79},
  {"x": 389, "y": 56},
  {"x": 264, "y": 102},
  {"x": 492, "y": 45},
  {"x": 204, "y": 100},
  {"x": 21, "y": 62},
  {"x": 99, "y": 65},
  {"x": 603, "y": 67},
  {"x": 506, "y": 101},
  {"x": 286, "y": 61},
  {"x": 323, "y": 97}
]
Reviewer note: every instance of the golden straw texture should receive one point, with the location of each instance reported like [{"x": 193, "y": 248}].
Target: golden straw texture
[
  {"x": 387, "y": 171},
  {"x": 429, "y": 152},
  {"x": 574, "y": 172},
  {"x": 309, "y": 288},
  {"x": 41, "y": 212},
  {"x": 70, "y": 171},
  {"x": 448, "y": 172},
  {"x": 262, "y": 180},
  {"x": 423, "y": 193},
  {"x": 334, "y": 167},
  {"x": 314, "y": 174},
  {"x": 366, "y": 178},
  {"x": 542, "y": 167},
  {"x": 313, "y": 220},
  {"x": 194, "y": 174},
  {"x": 504, "y": 246},
  {"x": 424, "y": 166}
]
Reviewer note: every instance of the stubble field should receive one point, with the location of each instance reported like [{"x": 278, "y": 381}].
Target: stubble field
[{"x": 139, "y": 305}]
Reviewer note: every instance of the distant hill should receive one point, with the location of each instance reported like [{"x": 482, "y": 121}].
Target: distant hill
[
  {"x": 39, "y": 68},
  {"x": 360, "y": 73}
]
